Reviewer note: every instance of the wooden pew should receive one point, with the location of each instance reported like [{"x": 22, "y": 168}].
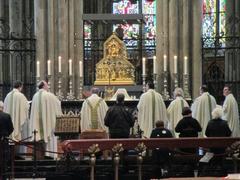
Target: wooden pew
[{"x": 105, "y": 144}]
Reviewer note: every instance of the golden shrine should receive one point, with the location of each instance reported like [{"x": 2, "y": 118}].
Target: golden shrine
[{"x": 114, "y": 68}]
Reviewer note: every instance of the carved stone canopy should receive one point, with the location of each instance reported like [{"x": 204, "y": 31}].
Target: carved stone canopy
[{"x": 114, "y": 68}]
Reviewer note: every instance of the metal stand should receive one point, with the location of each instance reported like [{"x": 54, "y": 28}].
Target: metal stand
[
  {"x": 144, "y": 82},
  {"x": 80, "y": 88},
  {"x": 59, "y": 93},
  {"x": 186, "y": 87},
  {"x": 155, "y": 80},
  {"x": 175, "y": 80},
  {"x": 70, "y": 95},
  {"x": 49, "y": 82},
  {"x": 165, "y": 86}
]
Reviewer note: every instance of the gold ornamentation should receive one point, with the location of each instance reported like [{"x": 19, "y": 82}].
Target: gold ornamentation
[
  {"x": 114, "y": 68},
  {"x": 93, "y": 149}
]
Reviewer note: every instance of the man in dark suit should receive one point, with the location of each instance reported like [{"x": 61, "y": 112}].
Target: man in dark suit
[
  {"x": 6, "y": 128},
  {"x": 6, "y": 125}
]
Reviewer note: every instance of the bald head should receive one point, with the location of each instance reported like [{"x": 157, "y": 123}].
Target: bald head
[{"x": 95, "y": 90}]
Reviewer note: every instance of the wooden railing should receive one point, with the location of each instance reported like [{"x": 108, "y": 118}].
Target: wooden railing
[{"x": 140, "y": 145}]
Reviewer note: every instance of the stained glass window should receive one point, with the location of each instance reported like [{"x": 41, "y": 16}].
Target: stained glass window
[
  {"x": 87, "y": 35},
  {"x": 131, "y": 31},
  {"x": 213, "y": 21}
]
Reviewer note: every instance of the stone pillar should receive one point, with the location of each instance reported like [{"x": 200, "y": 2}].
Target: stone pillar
[
  {"x": 2, "y": 17},
  {"x": 165, "y": 34},
  {"x": 196, "y": 61},
  {"x": 159, "y": 44},
  {"x": 63, "y": 39},
  {"x": 40, "y": 33},
  {"x": 78, "y": 39},
  {"x": 51, "y": 39},
  {"x": 173, "y": 37},
  {"x": 230, "y": 29},
  {"x": 71, "y": 45}
]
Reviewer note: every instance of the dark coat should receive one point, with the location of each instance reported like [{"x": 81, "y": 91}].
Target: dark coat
[
  {"x": 119, "y": 120},
  {"x": 188, "y": 127},
  {"x": 218, "y": 128},
  {"x": 6, "y": 125},
  {"x": 161, "y": 155}
]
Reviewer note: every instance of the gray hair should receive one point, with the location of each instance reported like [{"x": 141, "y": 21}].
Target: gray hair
[
  {"x": 217, "y": 113},
  {"x": 178, "y": 92}
]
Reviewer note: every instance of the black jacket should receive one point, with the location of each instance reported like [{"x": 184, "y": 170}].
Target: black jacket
[
  {"x": 119, "y": 121},
  {"x": 218, "y": 128},
  {"x": 6, "y": 125},
  {"x": 188, "y": 127},
  {"x": 161, "y": 133}
]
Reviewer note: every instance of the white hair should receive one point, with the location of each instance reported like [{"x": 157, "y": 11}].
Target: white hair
[
  {"x": 217, "y": 113},
  {"x": 178, "y": 92}
]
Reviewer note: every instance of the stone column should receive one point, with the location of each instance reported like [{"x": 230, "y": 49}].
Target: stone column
[
  {"x": 2, "y": 17},
  {"x": 230, "y": 29},
  {"x": 159, "y": 43},
  {"x": 51, "y": 38},
  {"x": 185, "y": 27},
  {"x": 40, "y": 33},
  {"x": 71, "y": 45},
  {"x": 173, "y": 37},
  {"x": 78, "y": 39},
  {"x": 165, "y": 27},
  {"x": 63, "y": 41},
  {"x": 196, "y": 61}
]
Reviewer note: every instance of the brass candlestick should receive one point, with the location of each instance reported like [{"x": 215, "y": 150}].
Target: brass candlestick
[
  {"x": 80, "y": 88},
  {"x": 70, "y": 95},
  {"x": 175, "y": 80},
  {"x": 59, "y": 93},
  {"x": 165, "y": 86},
  {"x": 186, "y": 86},
  {"x": 49, "y": 82},
  {"x": 155, "y": 80},
  {"x": 144, "y": 82}
]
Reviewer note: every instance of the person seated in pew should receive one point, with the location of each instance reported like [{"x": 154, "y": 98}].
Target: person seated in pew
[
  {"x": 118, "y": 119},
  {"x": 161, "y": 156},
  {"x": 188, "y": 127}
]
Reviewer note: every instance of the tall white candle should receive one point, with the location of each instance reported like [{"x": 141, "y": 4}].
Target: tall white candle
[
  {"x": 144, "y": 66},
  {"x": 49, "y": 67},
  {"x": 154, "y": 65},
  {"x": 38, "y": 69},
  {"x": 59, "y": 64},
  {"x": 175, "y": 64},
  {"x": 70, "y": 67},
  {"x": 80, "y": 69},
  {"x": 185, "y": 67},
  {"x": 165, "y": 63}
]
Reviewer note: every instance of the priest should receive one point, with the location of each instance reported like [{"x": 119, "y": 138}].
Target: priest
[
  {"x": 202, "y": 108},
  {"x": 175, "y": 108},
  {"x": 151, "y": 108},
  {"x": 45, "y": 108},
  {"x": 17, "y": 106},
  {"x": 93, "y": 112},
  {"x": 230, "y": 111}
]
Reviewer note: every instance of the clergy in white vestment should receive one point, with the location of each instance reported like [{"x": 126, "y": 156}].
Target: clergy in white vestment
[
  {"x": 16, "y": 104},
  {"x": 230, "y": 111},
  {"x": 151, "y": 108},
  {"x": 44, "y": 110},
  {"x": 93, "y": 112},
  {"x": 202, "y": 108},
  {"x": 175, "y": 108}
]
